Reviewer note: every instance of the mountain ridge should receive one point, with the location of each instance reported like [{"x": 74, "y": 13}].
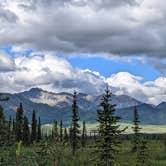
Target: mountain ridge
[{"x": 52, "y": 106}]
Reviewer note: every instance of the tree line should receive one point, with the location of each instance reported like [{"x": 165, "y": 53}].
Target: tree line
[{"x": 106, "y": 144}]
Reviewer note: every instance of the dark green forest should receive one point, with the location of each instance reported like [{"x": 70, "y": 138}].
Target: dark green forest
[{"x": 24, "y": 144}]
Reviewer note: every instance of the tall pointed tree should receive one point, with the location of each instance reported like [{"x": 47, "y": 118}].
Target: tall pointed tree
[
  {"x": 107, "y": 143},
  {"x": 142, "y": 154},
  {"x": 13, "y": 126},
  {"x": 84, "y": 135},
  {"x": 75, "y": 125},
  {"x": 61, "y": 131},
  {"x": 39, "y": 130},
  {"x": 136, "y": 130},
  {"x": 26, "y": 132},
  {"x": 9, "y": 128},
  {"x": 3, "y": 129},
  {"x": 66, "y": 137},
  {"x": 19, "y": 123},
  {"x": 55, "y": 133},
  {"x": 34, "y": 127}
]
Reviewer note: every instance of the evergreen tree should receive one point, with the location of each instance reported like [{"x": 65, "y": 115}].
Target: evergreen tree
[
  {"x": 55, "y": 134},
  {"x": 43, "y": 153},
  {"x": 165, "y": 142},
  {"x": 70, "y": 134},
  {"x": 75, "y": 125},
  {"x": 61, "y": 131},
  {"x": 3, "y": 129},
  {"x": 39, "y": 130},
  {"x": 66, "y": 137},
  {"x": 107, "y": 143},
  {"x": 13, "y": 126},
  {"x": 34, "y": 127},
  {"x": 19, "y": 123},
  {"x": 142, "y": 154},
  {"x": 26, "y": 132},
  {"x": 9, "y": 128},
  {"x": 84, "y": 135},
  {"x": 136, "y": 130}
]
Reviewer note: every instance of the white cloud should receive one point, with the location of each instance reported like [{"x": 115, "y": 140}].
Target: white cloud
[
  {"x": 53, "y": 73},
  {"x": 122, "y": 27},
  {"x": 152, "y": 92},
  {"x": 6, "y": 62}
]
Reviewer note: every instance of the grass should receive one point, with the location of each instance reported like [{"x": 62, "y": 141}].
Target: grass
[
  {"x": 157, "y": 129},
  {"x": 157, "y": 156}
]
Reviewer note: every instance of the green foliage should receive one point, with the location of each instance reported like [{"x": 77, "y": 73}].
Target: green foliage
[
  {"x": 75, "y": 125},
  {"x": 107, "y": 142},
  {"x": 43, "y": 156},
  {"x": 142, "y": 154},
  {"x": 18, "y": 153},
  {"x": 19, "y": 123},
  {"x": 6, "y": 135},
  {"x": 9, "y": 128},
  {"x": 136, "y": 130},
  {"x": 39, "y": 135},
  {"x": 55, "y": 134},
  {"x": 26, "y": 132},
  {"x": 34, "y": 127},
  {"x": 66, "y": 137},
  {"x": 84, "y": 135},
  {"x": 61, "y": 131}
]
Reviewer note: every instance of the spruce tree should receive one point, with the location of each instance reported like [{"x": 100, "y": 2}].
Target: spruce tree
[
  {"x": 19, "y": 123},
  {"x": 34, "y": 127},
  {"x": 108, "y": 142},
  {"x": 66, "y": 137},
  {"x": 61, "y": 131},
  {"x": 13, "y": 126},
  {"x": 39, "y": 130},
  {"x": 55, "y": 133},
  {"x": 75, "y": 125},
  {"x": 9, "y": 128},
  {"x": 70, "y": 134},
  {"x": 136, "y": 130},
  {"x": 84, "y": 135},
  {"x": 142, "y": 154},
  {"x": 26, "y": 132},
  {"x": 3, "y": 129},
  {"x": 165, "y": 142}
]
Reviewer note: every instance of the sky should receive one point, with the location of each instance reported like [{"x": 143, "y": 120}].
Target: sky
[{"x": 83, "y": 45}]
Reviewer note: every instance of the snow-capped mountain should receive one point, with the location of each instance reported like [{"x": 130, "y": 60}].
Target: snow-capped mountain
[
  {"x": 56, "y": 106},
  {"x": 85, "y": 101}
]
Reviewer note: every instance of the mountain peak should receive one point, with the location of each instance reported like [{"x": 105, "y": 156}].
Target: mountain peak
[
  {"x": 162, "y": 105},
  {"x": 36, "y": 89}
]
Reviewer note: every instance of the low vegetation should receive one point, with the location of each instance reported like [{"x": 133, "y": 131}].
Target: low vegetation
[{"x": 108, "y": 144}]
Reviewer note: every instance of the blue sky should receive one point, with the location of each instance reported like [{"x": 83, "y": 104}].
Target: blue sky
[
  {"x": 105, "y": 66},
  {"x": 133, "y": 43}
]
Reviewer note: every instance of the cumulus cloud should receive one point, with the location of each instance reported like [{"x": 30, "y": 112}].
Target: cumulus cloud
[
  {"x": 88, "y": 27},
  {"x": 55, "y": 74},
  {"x": 152, "y": 92},
  {"x": 122, "y": 27},
  {"x": 51, "y": 73},
  {"x": 6, "y": 62}
]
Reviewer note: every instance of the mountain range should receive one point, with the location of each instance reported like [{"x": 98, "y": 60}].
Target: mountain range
[{"x": 57, "y": 106}]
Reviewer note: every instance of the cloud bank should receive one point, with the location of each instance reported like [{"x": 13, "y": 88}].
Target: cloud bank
[
  {"x": 53, "y": 73},
  {"x": 122, "y": 27}
]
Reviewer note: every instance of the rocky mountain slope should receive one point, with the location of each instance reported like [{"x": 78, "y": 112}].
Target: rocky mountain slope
[{"x": 56, "y": 106}]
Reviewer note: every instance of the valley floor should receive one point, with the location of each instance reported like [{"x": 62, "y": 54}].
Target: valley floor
[{"x": 84, "y": 157}]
